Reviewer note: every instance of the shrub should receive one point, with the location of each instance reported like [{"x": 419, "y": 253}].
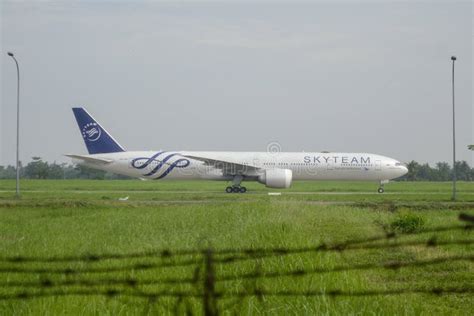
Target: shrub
[{"x": 407, "y": 223}]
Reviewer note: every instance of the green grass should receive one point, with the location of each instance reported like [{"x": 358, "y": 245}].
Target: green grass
[{"x": 71, "y": 218}]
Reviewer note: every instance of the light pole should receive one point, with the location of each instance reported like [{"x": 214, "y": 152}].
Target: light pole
[
  {"x": 453, "y": 58},
  {"x": 17, "y": 126}
]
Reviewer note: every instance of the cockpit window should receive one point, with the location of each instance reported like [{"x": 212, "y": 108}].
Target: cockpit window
[{"x": 398, "y": 164}]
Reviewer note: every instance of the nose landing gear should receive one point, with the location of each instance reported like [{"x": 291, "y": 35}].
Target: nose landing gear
[{"x": 380, "y": 189}]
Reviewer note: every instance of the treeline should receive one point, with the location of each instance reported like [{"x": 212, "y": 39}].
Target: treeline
[
  {"x": 39, "y": 169},
  {"x": 442, "y": 171}
]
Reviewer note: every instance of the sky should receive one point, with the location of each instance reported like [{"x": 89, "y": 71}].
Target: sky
[{"x": 345, "y": 76}]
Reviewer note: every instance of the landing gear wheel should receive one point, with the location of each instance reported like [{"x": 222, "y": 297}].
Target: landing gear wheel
[
  {"x": 381, "y": 190},
  {"x": 236, "y": 188}
]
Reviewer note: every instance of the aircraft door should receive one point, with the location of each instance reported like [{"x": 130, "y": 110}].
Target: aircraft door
[{"x": 378, "y": 165}]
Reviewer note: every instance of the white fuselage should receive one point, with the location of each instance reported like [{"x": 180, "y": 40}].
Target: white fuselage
[{"x": 304, "y": 166}]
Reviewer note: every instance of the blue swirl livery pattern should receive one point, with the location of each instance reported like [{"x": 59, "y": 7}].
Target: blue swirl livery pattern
[{"x": 158, "y": 165}]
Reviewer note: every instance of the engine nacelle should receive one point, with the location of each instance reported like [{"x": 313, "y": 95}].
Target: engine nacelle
[{"x": 276, "y": 178}]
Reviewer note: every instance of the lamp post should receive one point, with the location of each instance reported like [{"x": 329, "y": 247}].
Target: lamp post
[
  {"x": 17, "y": 126},
  {"x": 453, "y": 58}
]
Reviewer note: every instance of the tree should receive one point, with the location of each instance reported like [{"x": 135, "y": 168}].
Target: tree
[
  {"x": 37, "y": 169},
  {"x": 413, "y": 169},
  {"x": 56, "y": 171},
  {"x": 89, "y": 173},
  {"x": 7, "y": 173},
  {"x": 425, "y": 172},
  {"x": 463, "y": 171},
  {"x": 443, "y": 171}
]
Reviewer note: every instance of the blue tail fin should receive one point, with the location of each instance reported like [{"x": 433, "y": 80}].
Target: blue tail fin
[{"x": 97, "y": 140}]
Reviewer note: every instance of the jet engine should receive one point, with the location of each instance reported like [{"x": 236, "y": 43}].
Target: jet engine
[{"x": 276, "y": 178}]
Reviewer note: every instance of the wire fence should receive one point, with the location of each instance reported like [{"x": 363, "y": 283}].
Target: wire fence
[{"x": 210, "y": 284}]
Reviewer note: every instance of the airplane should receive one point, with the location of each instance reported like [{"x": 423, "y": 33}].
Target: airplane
[{"x": 273, "y": 169}]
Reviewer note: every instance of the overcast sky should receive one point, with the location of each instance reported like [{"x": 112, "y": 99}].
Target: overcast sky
[{"x": 339, "y": 76}]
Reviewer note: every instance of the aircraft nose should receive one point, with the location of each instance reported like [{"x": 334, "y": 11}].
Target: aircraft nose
[{"x": 404, "y": 170}]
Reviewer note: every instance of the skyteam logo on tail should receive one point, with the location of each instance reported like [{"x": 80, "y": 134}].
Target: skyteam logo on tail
[{"x": 91, "y": 132}]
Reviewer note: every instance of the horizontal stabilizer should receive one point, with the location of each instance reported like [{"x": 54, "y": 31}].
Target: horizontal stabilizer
[{"x": 90, "y": 159}]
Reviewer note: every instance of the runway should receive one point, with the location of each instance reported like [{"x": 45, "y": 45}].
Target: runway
[{"x": 247, "y": 193}]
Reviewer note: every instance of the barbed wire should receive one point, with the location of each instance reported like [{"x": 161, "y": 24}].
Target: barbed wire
[
  {"x": 391, "y": 265},
  {"x": 133, "y": 282},
  {"x": 334, "y": 293},
  {"x": 222, "y": 295},
  {"x": 431, "y": 242},
  {"x": 208, "y": 286},
  {"x": 132, "y": 267},
  {"x": 166, "y": 253}
]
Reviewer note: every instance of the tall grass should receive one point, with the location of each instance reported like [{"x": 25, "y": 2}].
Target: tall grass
[{"x": 60, "y": 221}]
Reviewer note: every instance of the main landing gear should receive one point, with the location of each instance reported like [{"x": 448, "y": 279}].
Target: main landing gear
[
  {"x": 236, "y": 188},
  {"x": 380, "y": 189}
]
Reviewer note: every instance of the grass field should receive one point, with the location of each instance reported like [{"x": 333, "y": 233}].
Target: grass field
[{"x": 57, "y": 219}]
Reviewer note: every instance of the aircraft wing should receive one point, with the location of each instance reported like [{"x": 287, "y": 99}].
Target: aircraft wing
[
  {"x": 90, "y": 159},
  {"x": 228, "y": 167}
]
